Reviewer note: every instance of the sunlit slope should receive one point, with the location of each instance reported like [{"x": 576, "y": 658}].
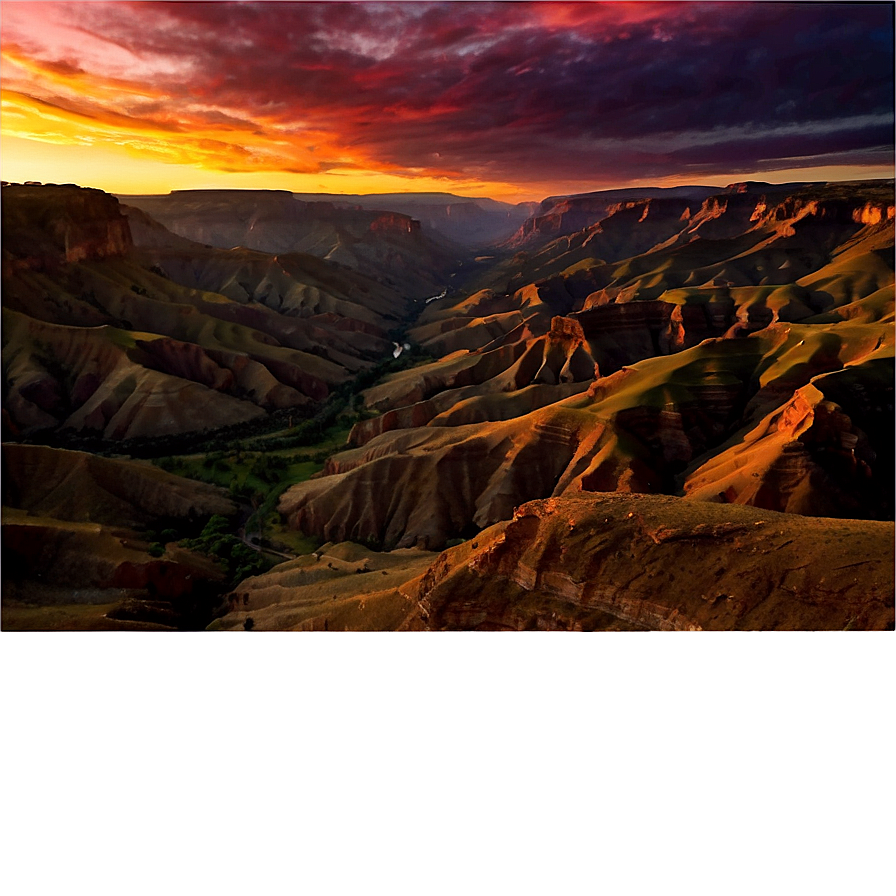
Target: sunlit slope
[
  {"x": 646, "y": 428},
  {"x": 748, "y": 359},
  {"x": 558, "y": 216},
  {"x": 744, "y": 238},
  {"x": 595, "y": 562},
  {"x": 742, "y": 260},
  {"x": 339, "y": 587}
]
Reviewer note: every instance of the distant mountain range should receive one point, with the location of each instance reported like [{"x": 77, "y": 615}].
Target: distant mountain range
[{"x": 461, "y": 219}]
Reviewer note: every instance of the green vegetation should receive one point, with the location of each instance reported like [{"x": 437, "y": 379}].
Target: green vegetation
[
  {"x": 256, "y": 480},
  {"x": 254, "y": 461},
  {"x": 237, "y": 558},
  {"x": 258, "y": 461}
]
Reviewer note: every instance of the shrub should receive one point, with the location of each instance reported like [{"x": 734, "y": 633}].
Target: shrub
[{"x": 216, "y": 525}]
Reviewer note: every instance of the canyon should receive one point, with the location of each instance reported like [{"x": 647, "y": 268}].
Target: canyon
[{"x": 656, "y": 408}]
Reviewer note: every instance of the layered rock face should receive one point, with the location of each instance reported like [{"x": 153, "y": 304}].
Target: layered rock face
[
  {"x": 560, "y": 215},
  {"x": 765, "y": 420},
  {"x": 46, "y": 226},
  {"x": 464, "y": 220},
  {"x": 636, "y": 563},
  {"x": 394, "y": 224},
  {"x": 106, "y": 382},
  {"x": 807, "y": 457},
  {"x": 505, "y": 382}
]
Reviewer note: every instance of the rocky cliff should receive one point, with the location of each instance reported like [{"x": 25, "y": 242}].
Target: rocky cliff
[
  {"x": 636, "y": 563},
  {"x": 560, "y": 215},
  {"x": 46, "y": 226}
]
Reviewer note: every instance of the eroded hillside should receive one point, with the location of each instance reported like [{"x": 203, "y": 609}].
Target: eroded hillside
[
  {"x": 92, "y": 542},
  {"x": 574, "y": 424},
  {"x": 117, "y": 328},
  {"x": 746, "y": 357},
  {"x": 385, "y": 245}
]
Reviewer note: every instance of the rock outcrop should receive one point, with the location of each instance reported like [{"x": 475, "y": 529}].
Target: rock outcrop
[
  {"x": 807, "y": 457},
  {"x": 46, "y": 226},
  {"x": 636, "y": 563},
  {"x": 561, "y": 215}
]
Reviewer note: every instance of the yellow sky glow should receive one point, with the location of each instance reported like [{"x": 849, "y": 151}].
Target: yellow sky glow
[{"x": 116, "y": 169}]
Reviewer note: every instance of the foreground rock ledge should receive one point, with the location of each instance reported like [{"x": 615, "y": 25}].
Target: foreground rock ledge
[{"x": 644, "y": 562}]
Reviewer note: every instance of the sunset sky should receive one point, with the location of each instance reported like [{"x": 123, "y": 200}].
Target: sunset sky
[{"x": 511, "y": 100}]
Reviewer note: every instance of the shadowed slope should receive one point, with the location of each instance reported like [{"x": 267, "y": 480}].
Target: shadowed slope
[
  {"x": 464, "y": 220},
  {"x": 76, "y": 553},
  {"x": 384, "y": 245},
  {"x": 174, "y": 337},
  {"x": 72, "y": 485}
]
